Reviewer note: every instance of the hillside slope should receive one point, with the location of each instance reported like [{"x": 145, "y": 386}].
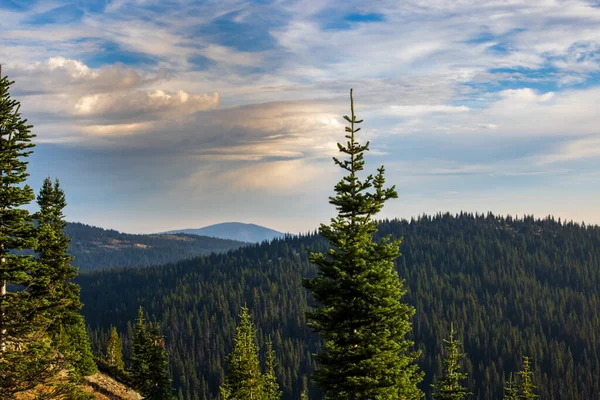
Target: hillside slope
[
  {"x": 97, "y": 248},
  {"x": 235, "y": 231},
  {"x": 512, "y": 287},
  {"x": 103, "y": 387}
]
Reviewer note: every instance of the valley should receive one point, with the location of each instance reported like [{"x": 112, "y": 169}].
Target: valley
[{"x": 511, "y": 286}]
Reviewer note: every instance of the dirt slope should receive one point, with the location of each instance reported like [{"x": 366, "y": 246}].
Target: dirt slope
[{"x": 103, "y": 387}]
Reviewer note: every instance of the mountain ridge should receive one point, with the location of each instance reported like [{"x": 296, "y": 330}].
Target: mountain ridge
[
  {"x": 240, "y": 231},
  {"x": 99, "y": 248}
]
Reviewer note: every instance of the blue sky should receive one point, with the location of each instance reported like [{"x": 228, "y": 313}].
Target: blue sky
[{"x": 158, "y": 115}]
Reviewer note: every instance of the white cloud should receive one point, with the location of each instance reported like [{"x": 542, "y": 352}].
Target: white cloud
[
  {"x": 424, "y": 109},
  {"x": 508, "y": 114},
  {"x": 289, "y": 176},
  {"x": 227, "y": 55},
  {"x": 144, "y": 105},
  {"x": 578, "y": 149},
  {"x": 64, "y": 75},
  {"x": 424, "y": 71},
  {"x": 116, "y": 129}
]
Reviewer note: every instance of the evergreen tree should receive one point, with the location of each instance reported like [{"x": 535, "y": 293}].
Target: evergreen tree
[
  {"x": 511, "y": 391},
  {"x": 52, "y": 282},
  {"x": 449, "y": 386},
  {"x": 359, "y": 313},
  {"x": 26, "y": 353},
  {"x": 140, "y": 364},
  {"x": 149, "y": 361},
  {"x": 271, "y": 387},
  {"x": 244, "y": 380},
  {"x": 159, "y": 382},
  {"x": 526, "y": 387},
  {"x": 304, "y": 393},
  {"x": 79, "y": 349},
  {"x": 114, "y": 350},
  {"x": 224, "y": 392}
]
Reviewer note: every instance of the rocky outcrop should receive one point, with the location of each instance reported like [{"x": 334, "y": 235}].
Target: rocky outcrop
[{"x": 103, "y": 387}]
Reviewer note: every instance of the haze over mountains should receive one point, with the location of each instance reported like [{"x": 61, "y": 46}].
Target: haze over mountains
[
  {"x": 251, "y": 233},
  {"x": 97, "y": 248}
]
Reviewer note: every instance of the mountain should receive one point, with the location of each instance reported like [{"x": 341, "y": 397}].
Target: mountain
[
  {"x": 235, "y": 231},
  {"x": 97, "y": 248},
  {"x": 511, "y": 287}
]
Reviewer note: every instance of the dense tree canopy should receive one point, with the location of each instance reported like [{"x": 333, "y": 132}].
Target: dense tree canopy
[{"x": 514, "y": 286}]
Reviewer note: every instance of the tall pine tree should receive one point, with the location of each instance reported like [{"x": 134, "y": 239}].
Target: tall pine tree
[
  {"x": 511, "y": 391},
  {"x": 271, "y": 387},
  {"x": 140, "y": 364},
  {"x": 26, "y": 353},
  {"x": 526, "y": 387},
  {"x": 149, "y": 361},
  {"x": 359, "y": 314},
  {"x": 449, "y": 386},
  {"x": 114, "y": 350},
  {"x": 244, "y": 380},
  {"x": 52, "y": 284},
  {"x": 159, "y": 381}
]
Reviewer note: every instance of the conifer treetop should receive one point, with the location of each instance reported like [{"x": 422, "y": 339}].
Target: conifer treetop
[
  {"x": 449, "y": 386},
  {"x": 357, "y": 290},
  {"x": 511, "y": 391},
  {"x": 244, "y": 380},
  {"x": 354, "y": 203},
  {"x": 526, "y": 386}
]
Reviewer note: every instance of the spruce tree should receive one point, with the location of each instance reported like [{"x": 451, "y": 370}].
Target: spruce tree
[
  {"x": 511, "y": 391},
  {"x": 52, "y": 284},
  {"x": 359, "y": 314},
  {"x": 79, "y": 348},
  {"x": 149, "y": 361},
  {"x": 114, "y": 350},
  {"x": 26, "y": 353},
  {"x": 526, "y": 387},
  {"x": 304, "y": 393},
  {"x": 271, "y": 387},
  {"x": 140, "y": 364},
  {"x": 52, "y": 278},
  {"x": 449, "y": 386},
  {"x": 244, "y": 380},
  {"x": 159, "y": 381}
]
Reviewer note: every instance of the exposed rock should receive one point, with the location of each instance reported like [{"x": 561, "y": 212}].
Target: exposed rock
[{"x": 106, "y": 388}]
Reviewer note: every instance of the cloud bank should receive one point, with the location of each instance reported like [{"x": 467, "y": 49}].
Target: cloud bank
[{"x": 245, "y": 99}]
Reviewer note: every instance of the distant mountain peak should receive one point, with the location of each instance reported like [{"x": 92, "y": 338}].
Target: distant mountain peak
[{"x": 245, "y": 232}]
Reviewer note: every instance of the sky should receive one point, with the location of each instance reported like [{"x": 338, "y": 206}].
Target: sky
[{"x": 159, "y": 115}]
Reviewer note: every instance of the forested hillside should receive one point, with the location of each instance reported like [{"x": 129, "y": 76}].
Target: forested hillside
[
  {"x": 96, "y": 248},
  {"x": 512, "y": 287}
]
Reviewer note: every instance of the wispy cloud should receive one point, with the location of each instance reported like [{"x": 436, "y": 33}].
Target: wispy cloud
[{"x": 247, "y": 96}]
